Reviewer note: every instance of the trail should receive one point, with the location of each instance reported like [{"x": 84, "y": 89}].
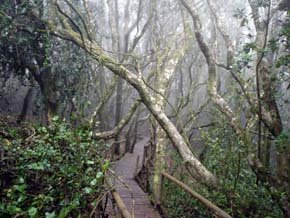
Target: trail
[{"x": 125, "y": 168}]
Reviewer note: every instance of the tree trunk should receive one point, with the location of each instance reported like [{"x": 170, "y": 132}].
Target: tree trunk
[
  {"x": 118, "y": 113},
  {"x": 193, "y": 164},
  {"x": 26, "y": 103}
]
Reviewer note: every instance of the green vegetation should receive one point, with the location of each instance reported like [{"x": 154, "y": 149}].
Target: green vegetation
[
  {"x": 52, "y": 171},
  {"x": 214, "y": 86},
  {"x": 239, "y": 194},
  {"x": 284, "y": 37},
  {"x": 242, "y": 191}
]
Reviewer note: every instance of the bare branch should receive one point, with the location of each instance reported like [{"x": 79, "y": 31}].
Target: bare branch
[
  {"x": 116, "y": 131},
  {"x": 137, "y": 82},
  {"x": 212, "y": 82}
]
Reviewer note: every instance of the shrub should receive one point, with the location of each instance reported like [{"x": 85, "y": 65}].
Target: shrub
[
  {"x": 238, "y": 193},
  {"x": 55, "y": 172}
]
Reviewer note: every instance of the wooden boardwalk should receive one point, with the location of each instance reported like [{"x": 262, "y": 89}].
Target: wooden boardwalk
[{"x": 125, "y": 169}]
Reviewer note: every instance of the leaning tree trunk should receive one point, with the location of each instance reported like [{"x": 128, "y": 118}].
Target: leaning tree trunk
[{"x": 192, "y": 163}]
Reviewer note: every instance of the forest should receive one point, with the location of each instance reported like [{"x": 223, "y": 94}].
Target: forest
[{"x": 145, "y": 108}]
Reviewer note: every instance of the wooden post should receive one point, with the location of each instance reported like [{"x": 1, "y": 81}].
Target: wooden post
[
  {"x": 215, "y": 209},
  {"x": 159, "y": 193},
  {"x": 137, "y": 166},
  {"x": 145, "y": 154}
]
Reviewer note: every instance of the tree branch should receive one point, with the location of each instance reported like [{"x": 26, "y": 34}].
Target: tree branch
[
  {"x": 212, "y": 82},
  {"x": 116, "y": 131},
  {"x": 192, "y": 163}
]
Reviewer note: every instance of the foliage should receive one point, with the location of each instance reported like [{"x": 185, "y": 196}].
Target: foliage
[
  {"x": 55, "y": 172},
  {"x": 180, "y": 204},
  {"x": 263, "y": 3},
  {"x": 240, "y": 13},
  {"x": 226, "y": 155},
  {"x": 30, "y": 54},
  {"x": 282, "y": 144},
  {"x": 22, "y": 38},
  {"x": 238, "y": 194},
  {"x": 284, "y": 38}
]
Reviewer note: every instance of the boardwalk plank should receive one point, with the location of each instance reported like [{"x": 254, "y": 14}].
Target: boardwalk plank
[{"x": 125, "y": 169}]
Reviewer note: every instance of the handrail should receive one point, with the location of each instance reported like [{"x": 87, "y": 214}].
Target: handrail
[
  {"x": 215, "y": 209},
  {"x": 120, "y": 204}
]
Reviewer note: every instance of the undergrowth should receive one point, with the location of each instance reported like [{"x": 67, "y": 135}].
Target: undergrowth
[
  {"x": 53, "y": 171},
  {"x": 239, "y": 193}
]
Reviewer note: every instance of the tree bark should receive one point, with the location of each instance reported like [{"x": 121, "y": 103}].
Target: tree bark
[
  {"x": 66, "y": 32},
  {"x": 212, "y": 73},
  {"x": 27, "y": 100},
  {"x": 121, "y": 124}
]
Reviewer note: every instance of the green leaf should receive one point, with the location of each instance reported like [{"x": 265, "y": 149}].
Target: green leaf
[
  {"x": 36, "y": 166},
  {"x": 105, "y": 166},
  {"x": 21, "y": 180},
  {"x": 90, "y": 162},
  {"x": 32, "y": 211},
  {"x": 93, "y": 182},
  {"x": 99, "y": 175},
  {"x": 43, "y": 129},
  {"x": 13, "y": 209},
  {"x": 65, "y": 211},
  {"x": 21, "y": 198},
  {"x": 50, "y": 215},
  {"x": 20, "y": 188},
  {"x": 88, "y": 190},
  {"x": 55, "y": 118}
]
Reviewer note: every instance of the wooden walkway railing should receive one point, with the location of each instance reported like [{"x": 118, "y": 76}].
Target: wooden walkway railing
[
  {"x": 120, "y": 204},
  {"x": 215, "y": 209},
  {"x": 125, "y": 170},
  {"x": 143, "y": 175},
  {"x": 130, "y": 199}
]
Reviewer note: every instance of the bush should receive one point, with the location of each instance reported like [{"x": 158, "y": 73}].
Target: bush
[
  {"x": 55, "y": 172},
  {"x": 238, "y": 193}
]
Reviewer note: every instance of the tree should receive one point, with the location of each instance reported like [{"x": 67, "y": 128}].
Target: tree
[
  {"x": 136, "y": 80},
  {"x": 265, "y": 108}
]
